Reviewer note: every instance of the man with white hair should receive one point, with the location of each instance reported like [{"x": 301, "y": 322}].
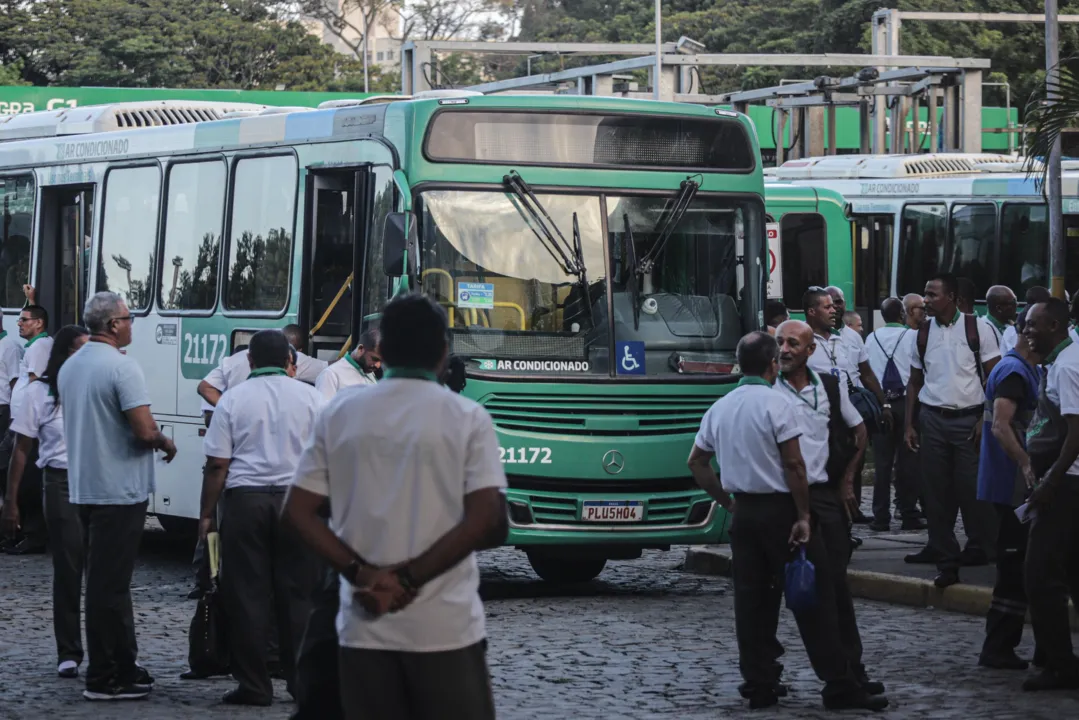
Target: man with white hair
[{"x": 111, "y": 439}]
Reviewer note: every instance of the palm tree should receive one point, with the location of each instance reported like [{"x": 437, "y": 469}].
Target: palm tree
[
  {"x": 124, "y": 264},
  {"x": 1046, "y": 121}
]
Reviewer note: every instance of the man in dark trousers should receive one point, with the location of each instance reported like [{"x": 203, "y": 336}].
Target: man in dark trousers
[
  {"x": 946, "y": 394},
  {"x": 1004, "y": 474},
  {"x": 754, "y": 432},
  {"x": 253, "y": 445},
  {"x": 823, "y": 409},
  {"x": 1053, "y": 544}
]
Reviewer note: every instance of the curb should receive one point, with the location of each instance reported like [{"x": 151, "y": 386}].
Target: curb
[{"x": 867, "y": 585}]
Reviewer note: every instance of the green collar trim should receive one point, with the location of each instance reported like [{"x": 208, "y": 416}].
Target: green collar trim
[
  {"x": 411, "y": 373},
  {"x": 753, "y": 380},
  {"x": 262, "y": 372},
  {"x": 953, "y": 321},
  {"x": 353, "y": 363},
  {"x": 36, "y": 338},
  {"x": 1056, "y": 351},
  {"x": 836, "y": 331},
  {"x": 3, "y": 334},
  {"x": 898, "y": 325},
  {"x": 996, "y": 323}
]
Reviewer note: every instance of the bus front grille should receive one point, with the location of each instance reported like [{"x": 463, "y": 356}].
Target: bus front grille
[
  {"x": 672, "y": 510},
  {"x": 610, "y": 415}
]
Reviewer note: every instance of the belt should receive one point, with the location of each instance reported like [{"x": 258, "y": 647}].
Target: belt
[
  {"x": 955, "y": 413},
  {"x": 773, "y": 494},
  {"x": 263, "y": 490}
]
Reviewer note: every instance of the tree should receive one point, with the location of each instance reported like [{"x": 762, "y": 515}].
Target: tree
[{"x": 350, "y": 21}]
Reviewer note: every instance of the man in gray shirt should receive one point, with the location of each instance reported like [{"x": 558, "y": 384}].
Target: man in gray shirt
[{"x": 111, "y": 439}]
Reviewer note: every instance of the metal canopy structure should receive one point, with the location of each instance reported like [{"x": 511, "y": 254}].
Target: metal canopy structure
[{"x": 955, "y": 82}]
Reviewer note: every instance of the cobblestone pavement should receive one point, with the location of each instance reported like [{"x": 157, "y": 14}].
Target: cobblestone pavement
[{"x": 645, "y": 640}]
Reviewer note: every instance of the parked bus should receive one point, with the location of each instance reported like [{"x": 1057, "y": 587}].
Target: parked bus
[
  {"x": 599, "y": 260},
  {"x": 911, "y": 216}
]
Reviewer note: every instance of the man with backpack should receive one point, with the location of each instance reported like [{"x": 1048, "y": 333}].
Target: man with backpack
[
  {"x": 890, "y": 348},
  {"x": 953, "y": 355}
]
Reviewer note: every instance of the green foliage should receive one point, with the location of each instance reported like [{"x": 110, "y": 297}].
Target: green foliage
[{"x": 258, "y": 278}]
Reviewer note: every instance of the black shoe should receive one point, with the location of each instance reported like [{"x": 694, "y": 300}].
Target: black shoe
[
  {"x": 762, "y": 699},
  {"x": 193, "y": 675},
  {"x": 946, "y": 578},
  {"x": 880, "y": 526},
  {"x": 856, "y": 701},
  {"x": 973, "y": 558},
  {"x": 925, "y": 556},
  {"x": 1002, "y": 661},
  {"x": 116, "y": 692},
  {"x": 68, "y": 669},
  {"x": 196, "y": 594},
  {"x": 913, "y": 523},
  {"x": 872, "y": 687},
  {"x": 860, "y": 518},
  {"x": 748, "y": 690},
  {"x": 1038, "y": 660},
  {"x": 26, "y": 547},
  {"x": 143, "y": 676},
  {"x": 275, "y": 670},
  {"x": 239, "y": 696},
  {"x": 1052, "y": 680}
]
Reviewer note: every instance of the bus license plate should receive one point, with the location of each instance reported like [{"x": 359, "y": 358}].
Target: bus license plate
[{"x": 613, "y": 511}]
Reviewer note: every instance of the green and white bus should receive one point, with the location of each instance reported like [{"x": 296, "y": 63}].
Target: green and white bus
[
  {"x": 598, "y": 258},
  {"x": 882, "y": 225}
]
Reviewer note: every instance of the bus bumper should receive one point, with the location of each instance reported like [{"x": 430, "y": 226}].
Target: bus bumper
[{"x": 540, "y": 518}]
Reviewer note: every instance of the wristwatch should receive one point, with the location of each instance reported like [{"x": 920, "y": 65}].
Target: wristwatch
[{"x": 408, "y": 582}]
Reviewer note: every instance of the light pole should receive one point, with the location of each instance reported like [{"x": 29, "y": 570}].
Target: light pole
[
  {"x": 1053, "y": 182},
  {"x": 659, "y": 51}
]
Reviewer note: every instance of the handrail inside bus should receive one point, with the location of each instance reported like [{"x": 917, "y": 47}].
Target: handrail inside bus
[{"x": 333, "y": 305}]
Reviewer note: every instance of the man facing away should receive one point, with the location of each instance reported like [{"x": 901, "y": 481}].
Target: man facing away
[
  {"x": 111, "y": 440},
  {"x": 415, "y": 485},
  {"x": 1053, "y": 446},
  {"x": 253, "y": 445},
  {"x": 945, "y": 393},
  {"x": 822, "y": 408},
  {"x": 755, "y": 434},
  {"x": 11, "y": 352},
  {"x": 1004, "y": 473},
  {"x": 889, "y": 350},
  {"x": 360, "y": 367},
  {"x": 307, "y": 367}
]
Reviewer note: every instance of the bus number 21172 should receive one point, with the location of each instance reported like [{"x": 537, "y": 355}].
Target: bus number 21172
[
  {"x": 526, "y": 456},
  {"x": 203, "y": 349}
]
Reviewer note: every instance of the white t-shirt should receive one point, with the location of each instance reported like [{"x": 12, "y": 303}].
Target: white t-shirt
[
  {"x": 1008, "y": 339},
  {"x": 856, "y": 352},
  {"x": 744, "y": 428},
  {"x": 262, "y": 425},
  {"x": 11, "y": 352},
  {"x": 837, "y": 355},
  {"x": 811, "y": 408},
  {"x": 397, "y": 460},
  {"x": 308, "y": 368},
  {"x": 951, "y": 373},
  {"x": 230, "y": 372},
  {"x": 894, "y": 342},
  {"x": 1062, "y": 386},
  {"x": 34, "y": 360},
  {"x": 344, "y": 373},
  {"x": 38, "y": 417}
]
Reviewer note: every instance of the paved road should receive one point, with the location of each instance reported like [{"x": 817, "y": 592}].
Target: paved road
[{"x": 644, "y": 641}]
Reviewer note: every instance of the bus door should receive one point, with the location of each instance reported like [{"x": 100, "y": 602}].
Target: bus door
[
  {"x": 873, "y": 236},
  {"x": 334, "y": 251},
  {"x": 64, "y": 252}
]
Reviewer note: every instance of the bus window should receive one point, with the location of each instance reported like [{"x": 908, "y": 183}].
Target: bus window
[
  {"x": 973, "y": 232},
  {"x": 376, "y": 284},
  {"x": 1071, "y": 254},
  {"x": 260, "y": 238},
  {"x": 804, "y": 239},
  {"x": 17, "y": 194},
  {"x": 921, "y": 246},
  {"x": 1024, "y": 249},
  {"x": 129, "y": 234},
  {"x": 193, "y": 223},
  {"x": 872, "y": 260}
]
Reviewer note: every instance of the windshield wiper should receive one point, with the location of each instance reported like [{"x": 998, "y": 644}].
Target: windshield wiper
[
  {"x": 568, "y": 256},
  {"x": 633, "y": 281},
  {"x": 668, "y": 222}
]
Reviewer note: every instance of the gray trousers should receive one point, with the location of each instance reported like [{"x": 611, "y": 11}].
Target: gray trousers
[
  {"x": 1052, "y": 555},
  {"x": 895, "y": 465},
  {"x": 68, "y": 561},
  {"x": 949, "y": 463},
  {"x": 389, "y": 685},
  {"x": 267, "y": 576}
]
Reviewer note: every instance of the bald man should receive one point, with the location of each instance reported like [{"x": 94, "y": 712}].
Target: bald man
[
  {"x": 1002, "y": 307},
  {"x": 914, "y": 310}
]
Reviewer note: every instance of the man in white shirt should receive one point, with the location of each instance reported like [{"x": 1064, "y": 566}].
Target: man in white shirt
[
  {"x": 889, "y": 350},
  {"x": 948, "y": 385},
  {"x": 415, "y": 485},
  {"x": 307, "y": 367},
  {"x": 1053, "y": 447},
  {"x": 360, "y": 367},
  {"x": 253, "y": 445},
  {"x": 1010, "y": 336},
  {"x": 755, "y": 434},
  {"x": 10, "y": 358},
  {"x": 1001, "y": 309}
]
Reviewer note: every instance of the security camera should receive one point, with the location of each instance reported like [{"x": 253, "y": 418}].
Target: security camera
[
  {"x": 689, "y": 46},
  {"x": 650, "y": 306}
]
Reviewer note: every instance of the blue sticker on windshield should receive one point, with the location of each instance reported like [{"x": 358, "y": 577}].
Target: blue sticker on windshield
[
  {"x": 480, "y": 296},
  {"x": 630, "y": 357}
]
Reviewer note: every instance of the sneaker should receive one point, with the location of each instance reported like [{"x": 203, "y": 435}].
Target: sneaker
[
  {"x": 68, "y": 669},
  {"x": 116, "y": 692},
  {"x": 880, "y": 526},
  {"x": 143, "y": 676},
  {"x": 26, "y": 547}
]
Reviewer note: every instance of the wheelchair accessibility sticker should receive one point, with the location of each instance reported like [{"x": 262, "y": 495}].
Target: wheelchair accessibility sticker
[{"x": 630, "y": 357}]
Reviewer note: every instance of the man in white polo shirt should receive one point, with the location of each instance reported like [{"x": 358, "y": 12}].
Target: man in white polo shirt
[
  {"x": 253, "y": 444},
  {"x": 755, "y": 434},
  {"x": 360, "y": 367},
  {"x": 415, "y": 484},
  {"x": 11, "y": 351},
  {"x": 822, "y": 408},
  {"x": 307, "y": 368},
  {"x": 945, "y": 392}
]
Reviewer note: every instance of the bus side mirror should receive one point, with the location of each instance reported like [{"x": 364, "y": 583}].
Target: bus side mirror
[{"x": 396, "y": 244}]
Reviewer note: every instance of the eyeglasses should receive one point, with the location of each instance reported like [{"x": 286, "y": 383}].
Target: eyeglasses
[
  {"x": 123, "y": 318},
  {"x": 26, "y": 319}
]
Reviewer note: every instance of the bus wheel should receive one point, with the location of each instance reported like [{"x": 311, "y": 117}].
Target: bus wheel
[
  {"x": 179, "y": 526},
  {"x": 561, "y": 569}
]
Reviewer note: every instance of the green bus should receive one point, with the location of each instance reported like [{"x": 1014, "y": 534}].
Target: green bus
[{"x": 599, "y": 259}]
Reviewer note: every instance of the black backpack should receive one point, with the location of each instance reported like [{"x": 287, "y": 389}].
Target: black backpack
[{"x": 841, "y": 447}]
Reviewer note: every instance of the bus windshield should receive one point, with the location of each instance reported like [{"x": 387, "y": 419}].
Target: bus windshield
[{"x": 514, "y": 307}]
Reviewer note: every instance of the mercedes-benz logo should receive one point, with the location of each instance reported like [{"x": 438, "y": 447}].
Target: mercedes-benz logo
[{"x": 613, "y": 462}]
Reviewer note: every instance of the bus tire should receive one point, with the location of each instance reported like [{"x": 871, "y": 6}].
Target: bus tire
[
  {"x": 563, "y": 570},
  {"x": 179, "y": 526}
]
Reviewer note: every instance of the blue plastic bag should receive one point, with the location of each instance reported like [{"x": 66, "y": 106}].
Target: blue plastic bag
[{"x": 801, "y": 583}]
